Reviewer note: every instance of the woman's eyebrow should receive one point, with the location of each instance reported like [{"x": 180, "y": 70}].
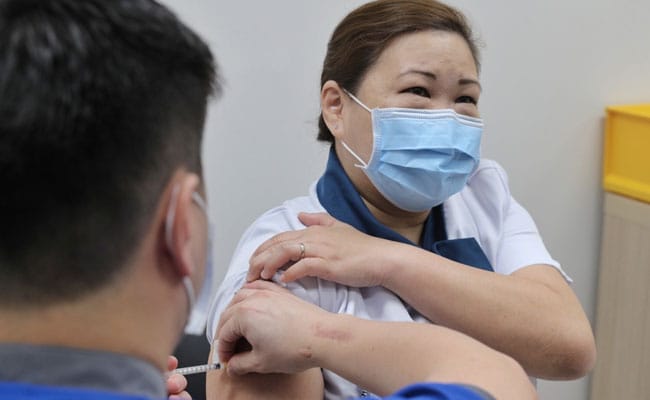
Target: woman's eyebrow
[
  {"x": 427, "y": 74},
  {"x": 467, "y": 81},
  {"x": 431, "y": 75}
]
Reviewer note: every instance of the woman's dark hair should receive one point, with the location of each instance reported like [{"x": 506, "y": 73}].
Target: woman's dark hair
[{"x": 360, "y": 38}]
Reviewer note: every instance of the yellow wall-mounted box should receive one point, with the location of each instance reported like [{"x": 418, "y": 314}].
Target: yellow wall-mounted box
[{"x": 627, "y": 151}]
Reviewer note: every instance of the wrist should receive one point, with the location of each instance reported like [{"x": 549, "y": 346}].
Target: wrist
[
  {"x": 331, "y": 337},
  {"x": 389, "y": 262}
]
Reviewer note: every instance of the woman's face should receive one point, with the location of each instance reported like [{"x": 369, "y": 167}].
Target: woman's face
[{"x": 424, "y": 70}]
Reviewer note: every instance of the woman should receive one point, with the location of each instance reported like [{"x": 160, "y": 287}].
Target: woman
[{"x": 407, "y": 223}]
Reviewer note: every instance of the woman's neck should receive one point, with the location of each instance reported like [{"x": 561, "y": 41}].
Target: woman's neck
[{"x": 407, "y": 224}]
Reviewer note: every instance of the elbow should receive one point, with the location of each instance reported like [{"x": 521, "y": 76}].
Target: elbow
[
  {"x": 583, "y": 359},
  {"x": 576, "y": 360},
  {"x": 576, "y": 365}
]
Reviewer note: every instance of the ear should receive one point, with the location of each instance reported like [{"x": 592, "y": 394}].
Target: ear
[
  {"x": 178, "y": 221},
  {"x": 331, "y": 103}
]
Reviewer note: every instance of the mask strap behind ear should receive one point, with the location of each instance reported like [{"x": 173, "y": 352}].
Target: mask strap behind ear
[
  {"x": 199, "y": 200},
  {"x": 169, "y": 219},
  {"x": 169, "y": 232},
  {"x": 353, "y": 97},
  {"x": 189, "y": 290}
]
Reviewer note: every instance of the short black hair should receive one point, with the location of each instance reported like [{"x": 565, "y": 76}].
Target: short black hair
[{"x": 100, "y": 102}]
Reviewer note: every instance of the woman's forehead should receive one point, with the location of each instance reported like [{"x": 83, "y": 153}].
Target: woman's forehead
[{"x": 425, "y": 52}]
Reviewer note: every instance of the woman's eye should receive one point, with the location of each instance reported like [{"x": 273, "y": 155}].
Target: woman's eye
[
  {"x": 418, "y": 91},
  {"x": 466, "y": 99}
]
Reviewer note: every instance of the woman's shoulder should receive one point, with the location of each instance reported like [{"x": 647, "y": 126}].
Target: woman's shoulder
[
  {"x": 487, "y": 187},
  {"x": 481, "y": 207},
  {"x": 272, "y": 222},
  {"x": 489, "y": 173},
  {"x": 285, "y": 216}
]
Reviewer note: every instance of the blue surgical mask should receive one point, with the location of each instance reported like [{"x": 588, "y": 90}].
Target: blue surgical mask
[
  {"x": 198, "y": 306},
  {"x": 420, "y": 158}
]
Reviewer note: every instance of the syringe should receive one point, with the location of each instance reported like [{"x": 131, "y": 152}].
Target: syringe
[{"x": 196, "y": 369}]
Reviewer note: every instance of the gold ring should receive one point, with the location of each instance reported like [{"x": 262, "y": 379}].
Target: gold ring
[{"x": 302, "y": 251}]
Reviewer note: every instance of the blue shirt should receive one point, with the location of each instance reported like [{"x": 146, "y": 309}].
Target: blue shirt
[
  {"x": 418, "y": 391},
  {"x": 26, "y": 391},
  {"x": 439, "y": 391}
]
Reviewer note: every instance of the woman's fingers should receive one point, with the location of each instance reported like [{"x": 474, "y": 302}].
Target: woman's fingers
[
  {"x": 265, "y": 285},
  {"x": 239, "y": 296},
  {"x": 311, "y": 219},
  {"x": 231, "y": 327},
  {"x": 285, "y": 247},
  {"x": 227, "y": 340},
  {"x": 307, "y": 267},
  {"x": 242, "y": 363},
  {"x": 266, "y": 264},
  {"x": 288, "y": 236}
]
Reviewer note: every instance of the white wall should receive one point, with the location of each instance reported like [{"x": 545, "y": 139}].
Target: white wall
[{"x": 549, "y": 69}]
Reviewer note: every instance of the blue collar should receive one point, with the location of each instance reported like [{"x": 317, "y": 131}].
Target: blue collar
[{"x": 340, "y": 198}]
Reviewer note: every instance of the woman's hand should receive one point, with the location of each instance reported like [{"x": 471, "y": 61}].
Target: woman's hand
[
  {"x": 176, "y": 383},
  {"x": 327, "y": 249},
  {"x": 276, "y": 328}
]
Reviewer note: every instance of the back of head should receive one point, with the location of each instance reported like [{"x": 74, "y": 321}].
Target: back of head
[
  {"x": 100, "y": 102},
  {"x": 359, "y": 39}
]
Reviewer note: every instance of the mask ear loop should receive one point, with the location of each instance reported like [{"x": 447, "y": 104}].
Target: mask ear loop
[
  {"x": 198, "y": 315},
  {"x": 169, "y": 224},
  {"x": 362, "y": 164},
  {"x": 353, "y": 97},
  {"x": 199, "y": 200}
]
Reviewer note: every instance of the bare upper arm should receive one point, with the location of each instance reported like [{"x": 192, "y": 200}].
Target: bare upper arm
[
  {"x": 305, "y": 385},
  {"x": 547, "y": 275}
]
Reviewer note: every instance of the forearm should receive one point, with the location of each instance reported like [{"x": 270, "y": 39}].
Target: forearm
[
  {"x": 385, "y": 356},
  {"x": 533, "y": 316}
]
